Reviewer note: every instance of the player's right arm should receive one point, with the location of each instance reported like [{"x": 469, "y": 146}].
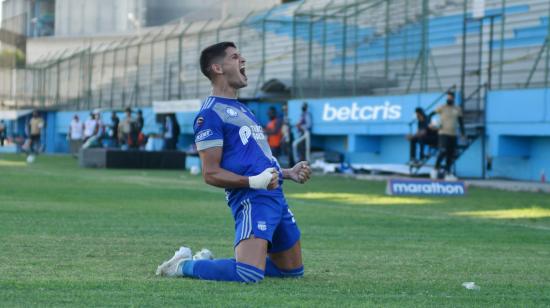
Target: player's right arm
[
  {"x": 208, "y": 129},
  {"x": 217, "y": 176}
]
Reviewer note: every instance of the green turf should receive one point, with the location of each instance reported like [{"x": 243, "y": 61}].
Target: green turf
[{"x": 72, "y": 236}]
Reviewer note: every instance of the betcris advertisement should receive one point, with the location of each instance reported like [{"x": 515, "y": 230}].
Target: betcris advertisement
[{"x": 364, "y": 114}]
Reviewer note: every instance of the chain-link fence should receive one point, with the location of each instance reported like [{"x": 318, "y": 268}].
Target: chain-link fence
[{"x": 318, "y": 48}]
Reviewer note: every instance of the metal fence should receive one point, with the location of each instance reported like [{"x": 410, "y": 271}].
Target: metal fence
[{"x": 318, "y": 48}]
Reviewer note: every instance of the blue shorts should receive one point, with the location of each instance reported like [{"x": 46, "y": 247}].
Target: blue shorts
[{"x": 267, "y": 217}]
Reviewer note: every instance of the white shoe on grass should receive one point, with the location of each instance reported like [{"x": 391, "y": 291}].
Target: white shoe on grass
[
  {"x": 171, "y": 268},
  {"x": 204, "y": 254},
  {"x": 451, "y": 177}
]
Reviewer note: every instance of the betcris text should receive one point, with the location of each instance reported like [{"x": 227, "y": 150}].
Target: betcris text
[{"x": 356, "y": 112}]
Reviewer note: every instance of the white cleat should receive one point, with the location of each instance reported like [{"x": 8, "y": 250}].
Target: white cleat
[
  {"x": 204, "y": 254},
  {"x": 450, "y": 177},
  {"x": 171, "y": 268}
]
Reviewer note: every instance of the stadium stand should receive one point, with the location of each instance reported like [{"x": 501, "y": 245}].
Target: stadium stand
[{"x": 319, "y": 49}]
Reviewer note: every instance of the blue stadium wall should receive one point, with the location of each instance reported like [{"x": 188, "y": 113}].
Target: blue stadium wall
[
  {"x": 518, "y": 131},
  {"x": 371, "y": 130}
]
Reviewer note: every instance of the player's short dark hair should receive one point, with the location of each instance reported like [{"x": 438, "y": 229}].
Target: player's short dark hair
[
  {"x": 451, "y": 93},
  {"x": 211, "y": 54}
]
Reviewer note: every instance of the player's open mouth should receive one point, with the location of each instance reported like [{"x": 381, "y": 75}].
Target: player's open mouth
[{"x": 243, "y": 71}]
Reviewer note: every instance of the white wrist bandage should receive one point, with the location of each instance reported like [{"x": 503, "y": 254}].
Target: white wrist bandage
[{"x": 261, "y": 181}]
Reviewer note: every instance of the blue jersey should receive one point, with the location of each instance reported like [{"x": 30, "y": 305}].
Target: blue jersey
[{"x": 227, "y": 123}]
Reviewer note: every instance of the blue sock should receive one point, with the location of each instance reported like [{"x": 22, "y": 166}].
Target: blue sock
[
  {"x": 271, "y": 270},
  {"x": 222, "y": 270}
]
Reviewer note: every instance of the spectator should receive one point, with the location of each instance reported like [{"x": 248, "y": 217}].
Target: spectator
[
  {"x": 273, "y": 132},
  {"x": 141, "y": 139},
  {"x": 450, "y": 117},
  {"x": 2, "y": 132},
  {"x": 128, "y": 130},
  {"x": 140, "y": 121},
  {"x": 115, "y": 122},
  {"x": 425, "y": 135},
  {"x": 304, "y": 129},
  {"x": 35, "y": 130},
  {"x": 75, "y": 135},
  {"x": 171, "y": 132},
  {"x": 90, "y": 127},
  {"x": 93, "y": 126},
  {"x": 287, "y": 137}
]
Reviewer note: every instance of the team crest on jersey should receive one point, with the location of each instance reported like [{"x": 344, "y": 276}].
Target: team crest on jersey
[
  {"x": 203, "y": 134},
  {"x": 262, "y": 226},
  {"x": 231, "y": 112},
  {"x": 200, "y": 120}
]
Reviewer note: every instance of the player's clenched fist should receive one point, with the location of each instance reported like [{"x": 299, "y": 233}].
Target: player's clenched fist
[{"x": 301, "y": 172}]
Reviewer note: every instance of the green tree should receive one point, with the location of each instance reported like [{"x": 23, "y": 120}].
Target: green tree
[{"x": 12, "y": 59}]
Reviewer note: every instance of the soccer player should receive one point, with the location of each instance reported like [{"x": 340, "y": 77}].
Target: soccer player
[{"x": 235, "y": 155}]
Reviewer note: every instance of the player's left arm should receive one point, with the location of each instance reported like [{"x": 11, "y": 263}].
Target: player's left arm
[{"x": 300, "y": 173}]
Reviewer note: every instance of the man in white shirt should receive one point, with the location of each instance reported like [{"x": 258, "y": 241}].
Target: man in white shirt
[
  {"x": 90, "y": 127},
  {"x": 93, "y": 131},
  {"x": 75, "y": 135}
]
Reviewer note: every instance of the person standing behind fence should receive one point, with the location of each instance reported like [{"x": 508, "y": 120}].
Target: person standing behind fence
[
  {"x": 139, "y": 120},
  {"x": 35, "y": 130},
  {"x": 95, "y": 127},
  {"x": 90, "y": 127},
  {"x": 450, "y": 117},
  {"x": 128, "y": 130},
  {"x": 301, "y": 146},
  {"x": 75, "y": 135},
  {"x": 115, "y": 122},
  {"x": 273, "y": 132},
  {"x": 286, "y": 133},
  {"x": 171, "y": 132},
  {"x": 2, "y": 132}
]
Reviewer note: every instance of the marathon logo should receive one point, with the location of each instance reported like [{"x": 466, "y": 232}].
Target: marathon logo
[{"x": 407, "y": 187}]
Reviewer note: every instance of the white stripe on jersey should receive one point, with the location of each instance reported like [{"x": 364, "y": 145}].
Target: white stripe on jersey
[
  {"x": 246, "y": 225},
  {"x": 249, "y": 218},
  {"x": 243, "y": 222},
  {"x": 206, "y": 103}
]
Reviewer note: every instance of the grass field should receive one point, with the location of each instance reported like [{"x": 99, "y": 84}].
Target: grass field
[{"x": 81, "y": 237}]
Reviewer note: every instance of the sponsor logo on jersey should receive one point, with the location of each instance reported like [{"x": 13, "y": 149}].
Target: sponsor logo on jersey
[
  {"x": 231, "y": 112},
  {"x": 203, "y": 134},
  {"x": 254, "y": 131},
  {"x": 262, "y": 226}
]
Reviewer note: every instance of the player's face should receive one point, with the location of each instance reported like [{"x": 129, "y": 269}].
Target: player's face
[{"x": 234, "y": 68}]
